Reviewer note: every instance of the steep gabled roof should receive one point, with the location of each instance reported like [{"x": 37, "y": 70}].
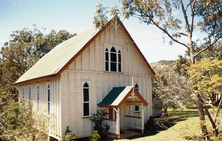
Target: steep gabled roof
[{"x": 56, "y": 61}]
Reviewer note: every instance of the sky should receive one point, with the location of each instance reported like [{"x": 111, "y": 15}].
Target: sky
[{"x": 76, "y": 16}]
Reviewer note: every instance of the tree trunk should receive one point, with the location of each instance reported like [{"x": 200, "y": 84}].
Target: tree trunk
[
  {"x": 212, "y": 121},
  {"x": 202, "y": 118},
  {"x": 198, "y": 101}
]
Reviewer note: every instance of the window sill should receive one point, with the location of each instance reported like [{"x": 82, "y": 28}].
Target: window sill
[
  {"x": 86, "y": 117},
  {"x": 110, "y": 119},
  {"x": 136, "y": 111},
  {"x": 113, "y": 72}
]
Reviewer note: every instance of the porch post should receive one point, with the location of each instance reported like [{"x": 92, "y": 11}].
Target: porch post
[
  {"x": 142, "y": 118},
  {"x": 117, "y": 123}
]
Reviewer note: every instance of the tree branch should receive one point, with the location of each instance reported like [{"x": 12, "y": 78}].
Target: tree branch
[
  {"x": 185, "y": 17},
  {"x": 176, "y": 30},
  {"x": 208, "y": 46},
  {"x": 175, "y": 40}
]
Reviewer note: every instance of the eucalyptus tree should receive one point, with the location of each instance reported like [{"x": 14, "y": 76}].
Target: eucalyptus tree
[
  {"x": 23, "y": 50},
  {"x": 172, "y": 88}
]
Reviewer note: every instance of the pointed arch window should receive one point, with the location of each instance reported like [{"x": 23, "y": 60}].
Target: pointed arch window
[
  {"x": 86, "y": 97},
  {"x": 48, "y": 98},
  {"x": 38, "y": 96},
  {"x": 113, "y": 60},
  {"x": 119, "y": 61},
  {"x": 137, "y": 108},
  {"x": 29, "y": 92},
  {"x": 107, "y": 59},
  {"x": 23, "y": 92}
]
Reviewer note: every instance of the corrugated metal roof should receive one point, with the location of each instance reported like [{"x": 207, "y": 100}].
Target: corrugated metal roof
[
  {"x": 118, "y": 94},
  {"x": 53, "y": 61}
]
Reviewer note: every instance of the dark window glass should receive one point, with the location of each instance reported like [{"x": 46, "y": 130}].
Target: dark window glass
[
  {"x": 38, "y": 94},
  {"x": 137, "y": 108},
  {"x": 119, "y": 56},
  {"x": 113, "y": 49},
  {"x": 107, "y": 56},
  {"x": 119, "y": 67},
  {"x": 48, "y": 99},
  {"x": 113, "y": 57},
  {"x": 85, "y": 85},
  {"x": 107, "y": 66},
  {"x": 86, "y": 109},
  {"x": 29, "y": 92},
  {"x": 113, "y": 66},
  {"x": 137, "y": 87},
  {"x": 86, "y": 94}
]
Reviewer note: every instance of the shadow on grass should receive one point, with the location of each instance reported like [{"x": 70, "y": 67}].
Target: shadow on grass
[{"x": 161, "y": 123}]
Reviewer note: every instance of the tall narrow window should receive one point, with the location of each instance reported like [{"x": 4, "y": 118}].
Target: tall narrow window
[
  {"x": 48, "y": 98},
  {"x": 38, "y": 96},
  {"x": 119, "y": 61},
  {"x": 85, "y": 99},
  {"x": 29, "y": 92},
  {"x": 113, "y": 60},
  {"x": 107, "y": 59},
  {"x": 23, "y": 92},
  {"x": 137, "y": 108}
]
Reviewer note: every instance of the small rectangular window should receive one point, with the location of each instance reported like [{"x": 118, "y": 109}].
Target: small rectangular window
[{"x": 137, "y": 108}]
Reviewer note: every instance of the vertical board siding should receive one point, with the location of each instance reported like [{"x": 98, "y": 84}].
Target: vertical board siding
[{"x": 66, "y": 91}]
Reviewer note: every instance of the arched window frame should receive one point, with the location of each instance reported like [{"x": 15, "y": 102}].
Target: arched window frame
[
  {"x": 23, "y": 92},
  {"x": 137, "y": 108},
  {"x": 119, "y": 61},
  {"x": 107, "y": 59},
  {"x": 86, "y": 100},
  {"x": 113, "y": 60},
  {"x": 30, "y": 92},
  {"x": 37, "y": 96},
  {"x": 48, "y": 97}
]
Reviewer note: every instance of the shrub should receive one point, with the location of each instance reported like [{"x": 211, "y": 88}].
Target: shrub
[
  {"x": 95, "y": 136},
  {"x": 150, "y": 123},
  {"x": 98, "y": 119},
  {"x": 68, "y": 135}
]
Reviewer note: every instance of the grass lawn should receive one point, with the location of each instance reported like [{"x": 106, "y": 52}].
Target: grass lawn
[{"x": 181, "y": 124}]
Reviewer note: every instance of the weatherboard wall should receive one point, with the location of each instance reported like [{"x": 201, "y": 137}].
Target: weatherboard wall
[
  {"x": 89, "y": 67},
  {"x": 54, "y": 117}
]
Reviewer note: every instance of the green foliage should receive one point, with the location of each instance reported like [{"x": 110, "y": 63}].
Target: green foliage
[
  {"x": 95, "y": 136},
  {"x": 206, "y": 78},
  {"x": 68, "y": 135},
  {"x": 180, "y": 66},
  {"x": 206, "y": 75},
  {"x": 24, "y": 48},
  {"x": 100, "y": 18},
  {"x": 16, "y": 120},
  {"x": 98, "y": 119}
]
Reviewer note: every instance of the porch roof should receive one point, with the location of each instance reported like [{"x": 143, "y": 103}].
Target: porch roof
[{"x": 118, "y": 95}]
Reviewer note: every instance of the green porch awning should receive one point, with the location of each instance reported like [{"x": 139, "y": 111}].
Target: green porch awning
[{"x": 118, "y": 95}]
